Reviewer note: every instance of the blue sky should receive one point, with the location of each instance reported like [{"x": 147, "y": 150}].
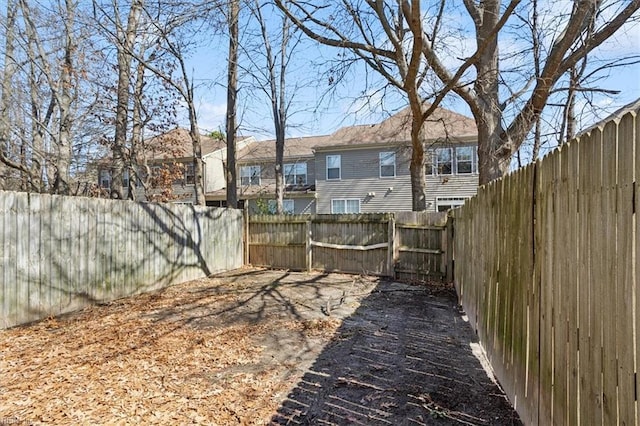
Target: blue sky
[{"x": 346, "y": 109}]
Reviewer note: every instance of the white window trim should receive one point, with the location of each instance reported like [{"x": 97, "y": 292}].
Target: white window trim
[
  {"x": 339, "y": 166},
  {"x": 451, "y": 161},
  {"x": 295, "y": 175},
  {"x": 386, "y": 154},
  {"x": 474, "y": 160},
  {"x": 271, "y": 205},
  {"x": 250, "y": 168},
  {"x": 105, "y": 176},
  {"x": 450, "y": 201},
  {"x": 345, "y": 200}
]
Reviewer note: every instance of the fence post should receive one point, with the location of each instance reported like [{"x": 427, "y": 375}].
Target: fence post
[
  {"x": 245, "y": 235},
  {"x": 449, "y": 255},
  {"x": 391, "y": 252},
  {"x": 308, "y": 244}
]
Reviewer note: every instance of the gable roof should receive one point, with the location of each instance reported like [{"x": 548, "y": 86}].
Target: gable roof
[
  {"x": 300, "y": 147},
  {"x": 443, "y": 125},
  {"x": 176, "y": 144}
]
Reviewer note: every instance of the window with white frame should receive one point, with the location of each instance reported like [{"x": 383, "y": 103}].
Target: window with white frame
[
  {"x": 466, "y": 162},
  {"x": 288, "y": 206},
  {"x": 105, "y": 179},
  {"x": 295, "y": 174},
  {"x": 428, "y": 162},
  {"x": 445, "y": 203},
  {"x": 189, "y": 174},
  {"x": 333, "y": 167},
  {"x": 444, "y": 161},
  {"x": 125, "y": 178},
  {"x": 250, "y": 175},
  {"x": 387, "y": 164},
  {"x": 345, "y": 205}
]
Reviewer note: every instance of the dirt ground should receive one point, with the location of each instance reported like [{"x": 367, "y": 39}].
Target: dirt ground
[{"x": 254, "y": 347}]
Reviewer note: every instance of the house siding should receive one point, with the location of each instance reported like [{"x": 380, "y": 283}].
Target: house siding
[
  {"x": 179, "y": 194},
  {"x": 302, "y": 205},
  {"x": 360, "y": 170},
  {"x": 462, "y": 186},
  {"x": 268, "y": 171},
  {"x": 214, "y": 171},
  {"x": 397, "y": 199},
  {"x": 363, "y": 163}
]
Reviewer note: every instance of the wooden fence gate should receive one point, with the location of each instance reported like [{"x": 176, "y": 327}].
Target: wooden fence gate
[{"x": 405, "y": 245}]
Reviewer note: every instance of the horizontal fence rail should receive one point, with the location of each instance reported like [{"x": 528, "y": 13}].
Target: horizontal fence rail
[
  {"x": 547, "y": 271},
  {"x": 407, "y": 245},
  {"x": 60, "y": 253}
]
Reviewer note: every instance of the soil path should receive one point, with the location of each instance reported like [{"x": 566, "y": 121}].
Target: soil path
[{"x": 254, "y": 347}]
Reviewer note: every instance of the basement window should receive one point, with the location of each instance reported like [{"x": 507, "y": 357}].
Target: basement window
[{"x": 345, "y": 205}]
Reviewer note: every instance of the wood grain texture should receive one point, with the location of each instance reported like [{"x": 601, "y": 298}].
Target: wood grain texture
[
  {"x": 63, "y": 253},
  {"x": 547, "y": 270}
]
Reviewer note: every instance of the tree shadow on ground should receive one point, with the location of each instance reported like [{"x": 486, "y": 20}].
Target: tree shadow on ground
[{"x": 403, "y": 357}]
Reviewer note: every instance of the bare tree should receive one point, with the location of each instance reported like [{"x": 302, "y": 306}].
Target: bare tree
[
  {"x": 391, "y": 40},
  {"x": 6, "y": 95},
  {"x": 269, "y": 69},
  {"x": 170, "y": 40},
  {"x": 503, "y": 124},
  {"x": 126, "y": 37},
  {"x": 40, "y": 119},
  {"x": 232, "y": 93}
]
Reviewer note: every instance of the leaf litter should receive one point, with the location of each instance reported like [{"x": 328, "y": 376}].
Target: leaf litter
[{"x": 149, "y": 359}]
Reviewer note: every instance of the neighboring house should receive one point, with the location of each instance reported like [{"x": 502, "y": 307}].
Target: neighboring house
[
  {"x": 169, "y": 158},
  {"x": 356, "y": 169},
  {"x": 366, "y": 168},
  {"x": 362, "y": 168},
  {"x": 256, "y": 176}
]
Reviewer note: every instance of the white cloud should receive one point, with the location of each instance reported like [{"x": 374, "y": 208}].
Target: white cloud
[{"x": 211, "y": 116}]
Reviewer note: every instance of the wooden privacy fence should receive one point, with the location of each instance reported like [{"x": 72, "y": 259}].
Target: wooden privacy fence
[
  {"x": 409, "y": 244},
  {"x": 547, "y": 271},
  {"x": 63, "y": 253}
]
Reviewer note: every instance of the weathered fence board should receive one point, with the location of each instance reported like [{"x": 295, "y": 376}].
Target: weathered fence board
[
  {"x": 624, "y": 256},
  {"x": 59, "y": 254},
  {"x": 419, "y": 240},
  {"x": 547, "y": 272},
  {"x": 407, "y": 245}
]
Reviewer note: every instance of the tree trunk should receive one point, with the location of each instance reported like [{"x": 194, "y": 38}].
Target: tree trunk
[
  {"x": 197, "y": 156},
  {"x": 491, "y": 158},
  {"x": 280, "y": 183},
  {"x": 416, "y": 168},
  {"x": 65, "y": 149},
  {"x": 232, "y": 91},
  {"x": 136, "y": 130},
  {"x": 9, "y": 70},
  {"x": 126, "y": 40}
]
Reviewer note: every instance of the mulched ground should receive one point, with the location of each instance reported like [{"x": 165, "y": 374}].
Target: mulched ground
[{"x": 254, "y": 347}]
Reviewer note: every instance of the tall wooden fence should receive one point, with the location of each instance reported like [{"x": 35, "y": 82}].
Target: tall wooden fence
[
  {"x": 59, "y": 254},
  {"x": 547, "y": 271},
  {"x": 406, "y": 245}
]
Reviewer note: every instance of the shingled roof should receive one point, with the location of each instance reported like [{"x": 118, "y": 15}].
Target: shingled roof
[
  {"x": 442, "y": 125},
  {"x": 176, "y": 144}
]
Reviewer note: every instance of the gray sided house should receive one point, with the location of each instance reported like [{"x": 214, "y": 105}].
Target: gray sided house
[
  {"x": 364, "y": 169},
  {"x": 361, "y": 169},
  {"x": 256, "y": 176}
]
